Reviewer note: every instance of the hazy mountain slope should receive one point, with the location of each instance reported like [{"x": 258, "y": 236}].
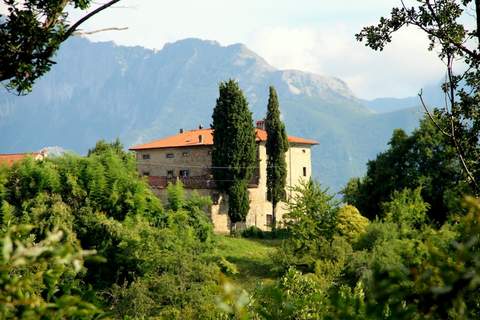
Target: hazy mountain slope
[
  {"x": 99, "y": 90},
  {"x": 432, "y": 95}
]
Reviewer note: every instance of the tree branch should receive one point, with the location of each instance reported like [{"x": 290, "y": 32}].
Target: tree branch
[
  {"x": 452, "y": 124},
  {"x": 420, "y": 95},
  {"x": 74, "y": 27},
  {"x": 99, "y": 30}
]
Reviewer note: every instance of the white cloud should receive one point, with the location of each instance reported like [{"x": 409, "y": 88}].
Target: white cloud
[{"x": 400, "y": 70}]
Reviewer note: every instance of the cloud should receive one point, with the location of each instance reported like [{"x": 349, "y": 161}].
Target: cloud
[{"x": 400, "y": 70}]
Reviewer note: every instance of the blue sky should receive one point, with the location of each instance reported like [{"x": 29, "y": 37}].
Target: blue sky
[{"x": 309, "y": 35}]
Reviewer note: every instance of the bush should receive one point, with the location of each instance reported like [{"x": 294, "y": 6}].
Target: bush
[
  {"x": 351, "y": 224},
  {"x": 253, "y": 232}
]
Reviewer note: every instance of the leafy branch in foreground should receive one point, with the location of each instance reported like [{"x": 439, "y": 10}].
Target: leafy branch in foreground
[
  {"x": 38, "y": 279},
  {"x": 31, "y": 33}
]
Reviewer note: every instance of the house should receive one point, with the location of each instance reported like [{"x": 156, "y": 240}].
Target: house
[
  {"x": 187, "y": 157},
  {"x": 10, "y": 158}
]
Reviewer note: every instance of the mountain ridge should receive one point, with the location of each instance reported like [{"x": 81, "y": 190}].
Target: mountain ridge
[{"x": 104, "y": 91}]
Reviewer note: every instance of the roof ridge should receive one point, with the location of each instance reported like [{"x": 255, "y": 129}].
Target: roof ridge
[
  {"x": 19, "y": 153},
  {"x": 187, "y": 139}
]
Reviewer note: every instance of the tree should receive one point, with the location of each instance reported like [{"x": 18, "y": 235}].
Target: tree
[
  {"x": 446, "y": 23},
  {"x": 312, "y": 213},
  {"x": 234, "y": 148},
  {"x": 424, "y": 159},
  {"x": 277, "y": 145},
  {"x": 31, "y": 34}
]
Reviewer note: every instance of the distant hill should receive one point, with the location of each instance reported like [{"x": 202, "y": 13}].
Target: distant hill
[
  {"x": 100, "y": 90},
  {"x": 432, "y": 96}
]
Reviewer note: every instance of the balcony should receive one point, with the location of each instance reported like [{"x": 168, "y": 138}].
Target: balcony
[{"x": 195, "y": 182}]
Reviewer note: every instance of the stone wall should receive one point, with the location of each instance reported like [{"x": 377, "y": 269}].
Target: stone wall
[
  {"x": 298, "y": 157},
  {"x": 158, "y": 162}
]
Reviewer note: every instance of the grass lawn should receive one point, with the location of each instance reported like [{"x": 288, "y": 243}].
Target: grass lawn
[{"x": 251, "y": 256}]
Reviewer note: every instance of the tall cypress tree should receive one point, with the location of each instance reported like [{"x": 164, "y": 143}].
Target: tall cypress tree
[
  {"x": 277, "y": 146},
  {"x": 234, "y": 148}
]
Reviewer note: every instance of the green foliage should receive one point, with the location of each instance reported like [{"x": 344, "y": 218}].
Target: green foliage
[
  {"x": 227, "y": 267},
  {"x": 311, "y": 213},
  {"x": 176, "y": 196},
  {"x": 434, "y": 274},
  {"x": 30, "y": 34},
  {"x": 276, "y": 147},
  {"x": 397, "y": 268},
  {"x": 311, "y": 222},
  {"x": 422, "y": 159},
  {"x": 102, "y": 147},
  {"x": 294, "y": 296},
  {"x": 150, "y": 262},
  {"x": 351, "y": 224},
  {"x": 39, "y": 276},
  {"x": 406, "y": 208},
  {"x": 238, "y": 201},
  {"x": 234, "y": 148},
  {"x": 234, "y": 301},
  {"x": 253, "y": 232}
]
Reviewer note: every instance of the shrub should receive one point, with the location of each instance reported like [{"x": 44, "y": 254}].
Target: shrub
[
  {"x": 351, "y": 224},
  {"x": 253, "y": 232}
]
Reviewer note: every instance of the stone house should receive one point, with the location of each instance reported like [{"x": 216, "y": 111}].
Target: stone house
[{"x": 187, "y": 157}]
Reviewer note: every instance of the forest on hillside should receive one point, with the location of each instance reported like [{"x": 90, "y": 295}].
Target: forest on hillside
[{"x": 86, "y": 237}]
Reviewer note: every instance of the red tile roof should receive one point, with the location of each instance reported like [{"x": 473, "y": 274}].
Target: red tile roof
[
  {"x": 10, "y": 158},
  {"x": 192, "y": 138}
]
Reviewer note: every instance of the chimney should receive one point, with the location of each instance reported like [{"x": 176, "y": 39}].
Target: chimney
[
  {"x": 200, "y": 138},
  {"x": 260, "y": 124},
  {"x": 181, "y": 130}
]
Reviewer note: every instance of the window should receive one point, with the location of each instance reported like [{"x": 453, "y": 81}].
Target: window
[
  {"x": 145, "y": 173},
  {"x": 184, "y": 173},
  {"x": 170, "y": 155},
  {"x": 170, "y": 173},
  {"x": 304, "y": 171},
  {"x": 269, "y": 220},
  {"x": 146, "y": 156},
  {"x": 185, "y": 153},
  {"x": 304, "y": 151}
]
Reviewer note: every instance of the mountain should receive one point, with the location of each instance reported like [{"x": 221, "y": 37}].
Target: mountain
[
  {"x": 432, "y": 96},
  {"x": 101, "y": 90}
]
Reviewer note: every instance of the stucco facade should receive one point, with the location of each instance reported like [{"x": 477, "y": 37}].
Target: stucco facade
[{"x": 166, "y": 161}]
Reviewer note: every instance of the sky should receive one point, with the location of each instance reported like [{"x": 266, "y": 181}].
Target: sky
[{"x": 309, "y": 35}]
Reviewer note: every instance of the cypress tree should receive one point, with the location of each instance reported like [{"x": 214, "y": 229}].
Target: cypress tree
[
  {"x": 234, "y": 148},
  {"x": 277, "y": 146}
]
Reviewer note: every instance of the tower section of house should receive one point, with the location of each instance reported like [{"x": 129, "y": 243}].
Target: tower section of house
[{"x": 187, "y": 157}]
